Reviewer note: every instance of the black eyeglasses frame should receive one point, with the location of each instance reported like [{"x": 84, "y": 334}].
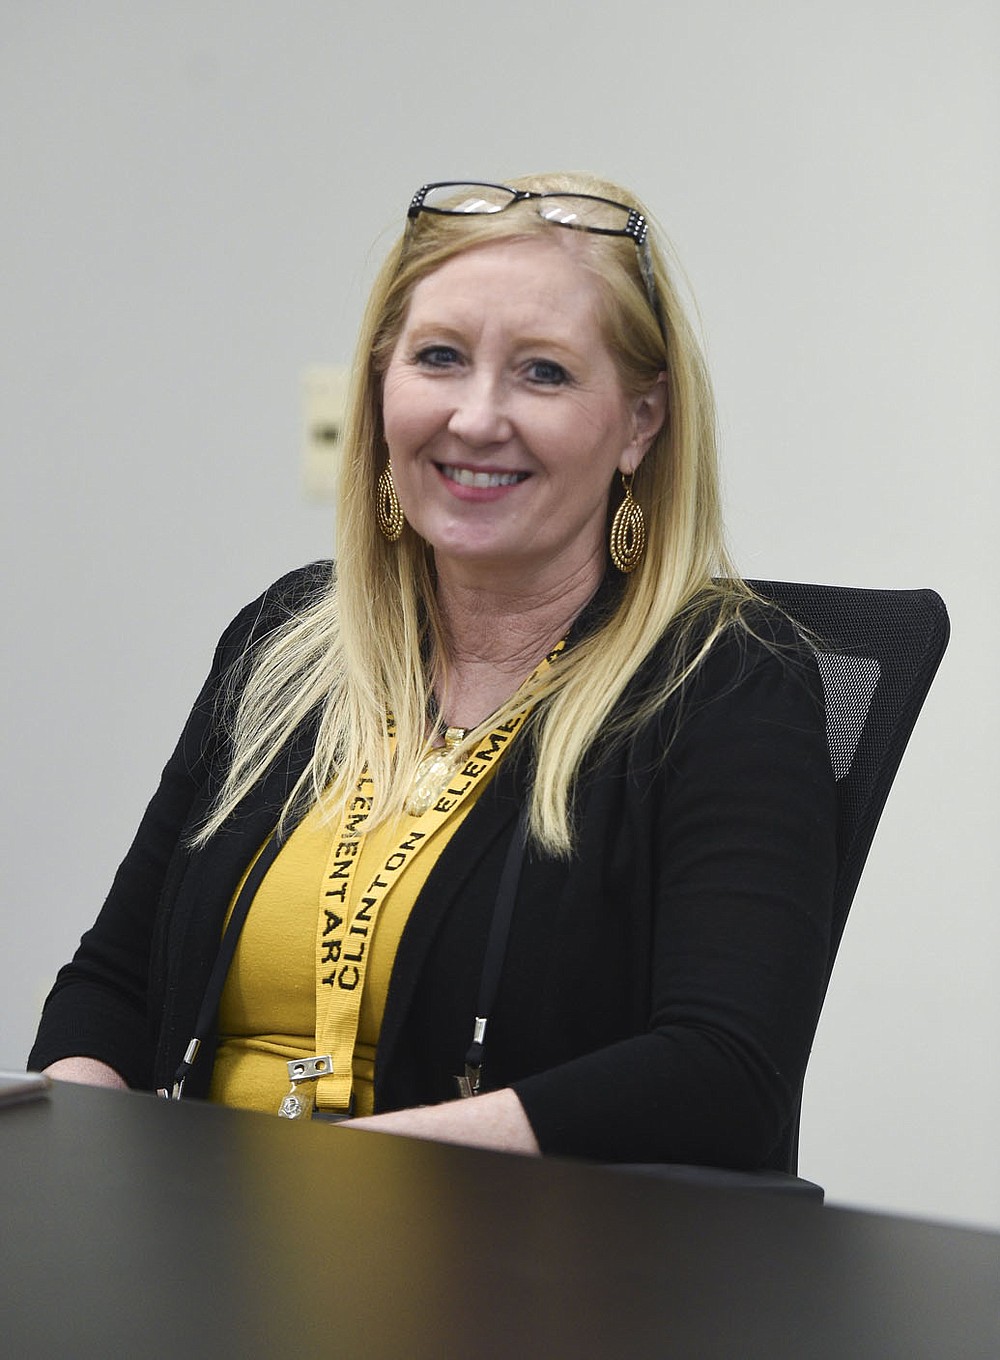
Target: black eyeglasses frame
[{"x": 636, "y": 227}]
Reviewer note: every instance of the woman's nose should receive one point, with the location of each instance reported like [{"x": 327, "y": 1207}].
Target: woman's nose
[{"x": 480, "y": 415}]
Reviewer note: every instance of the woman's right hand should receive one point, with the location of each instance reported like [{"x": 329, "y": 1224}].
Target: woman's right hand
[{"x": 86, "y": 1071}]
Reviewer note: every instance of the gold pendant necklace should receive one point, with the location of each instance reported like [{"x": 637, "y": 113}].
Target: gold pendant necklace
[{"x": 434, "y": 772}]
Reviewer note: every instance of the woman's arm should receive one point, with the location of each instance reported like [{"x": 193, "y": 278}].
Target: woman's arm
[
  {"x": 88, "y": 1072},
  {"x": 495, "y": 1120},
  {"x": 742, "y": 872}
]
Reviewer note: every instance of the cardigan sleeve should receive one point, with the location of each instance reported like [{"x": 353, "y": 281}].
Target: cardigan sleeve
[
  {"x": 97, "y": 1007},
  {"x": 743, "y": 866}
]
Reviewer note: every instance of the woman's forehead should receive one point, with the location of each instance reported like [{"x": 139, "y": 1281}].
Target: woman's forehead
[{"x": 533, "y": 275}]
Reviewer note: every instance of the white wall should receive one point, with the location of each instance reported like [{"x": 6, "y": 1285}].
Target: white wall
[{"x": 194, "y": 198}]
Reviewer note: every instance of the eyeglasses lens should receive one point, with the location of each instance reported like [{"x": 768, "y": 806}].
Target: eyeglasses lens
[
  {"x": 466, "y": 198},
  {"x": 585, "y": 214}
]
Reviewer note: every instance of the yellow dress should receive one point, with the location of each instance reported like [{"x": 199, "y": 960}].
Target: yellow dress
[{"x": 267, "y": 1014}]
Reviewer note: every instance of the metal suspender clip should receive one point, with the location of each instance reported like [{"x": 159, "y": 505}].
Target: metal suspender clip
[
  {"x": 469, "y": 1082},
  {"x": 187, "y": 1062}
]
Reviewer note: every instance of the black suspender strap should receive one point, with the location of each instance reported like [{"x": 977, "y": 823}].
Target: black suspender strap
[
  {"x": 217, "y": 979},
  {"x": 496, "y": 949}
]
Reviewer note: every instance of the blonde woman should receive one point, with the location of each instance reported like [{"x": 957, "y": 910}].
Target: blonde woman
[{"x": 528, "y": 800}]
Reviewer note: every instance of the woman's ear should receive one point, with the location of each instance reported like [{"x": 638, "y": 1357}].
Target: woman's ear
[{"x": 649, "y": 411}]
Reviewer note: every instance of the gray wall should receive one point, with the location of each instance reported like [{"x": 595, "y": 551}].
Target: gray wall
[{"x": 194, "y": 199}]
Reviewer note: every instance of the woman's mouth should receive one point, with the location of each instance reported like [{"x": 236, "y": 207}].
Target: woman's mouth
[{"x": 482, "y": 480}]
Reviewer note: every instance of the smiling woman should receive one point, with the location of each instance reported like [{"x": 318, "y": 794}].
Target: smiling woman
[{"x": 546, "y": 810}]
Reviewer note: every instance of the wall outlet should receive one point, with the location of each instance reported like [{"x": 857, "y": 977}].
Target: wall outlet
[{"x": 324, "y": 411}]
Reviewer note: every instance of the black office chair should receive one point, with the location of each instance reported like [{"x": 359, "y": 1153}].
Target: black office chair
[{"x": 878, "y": 651}]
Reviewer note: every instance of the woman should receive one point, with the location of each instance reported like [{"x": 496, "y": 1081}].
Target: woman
[{"x": 523, "y": 620}]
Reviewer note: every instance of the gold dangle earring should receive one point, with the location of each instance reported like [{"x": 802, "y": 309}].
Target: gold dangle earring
[
  {"x": 388, "y": 510},
  {"x": 628, "y": 530}
]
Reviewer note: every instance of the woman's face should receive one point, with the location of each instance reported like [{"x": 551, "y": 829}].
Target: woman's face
[{"x": 504, "y": 415}]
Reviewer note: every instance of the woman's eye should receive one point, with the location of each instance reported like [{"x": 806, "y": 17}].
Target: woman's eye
[
  {"x": 437, "y": 356},
  {"x": 547, "y": 373}
]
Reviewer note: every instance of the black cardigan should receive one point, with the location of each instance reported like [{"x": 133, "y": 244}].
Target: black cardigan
[{"x": 661, "y": 987}]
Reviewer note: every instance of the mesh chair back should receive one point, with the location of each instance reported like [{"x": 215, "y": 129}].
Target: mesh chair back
[{"x": 878, "y": 651}]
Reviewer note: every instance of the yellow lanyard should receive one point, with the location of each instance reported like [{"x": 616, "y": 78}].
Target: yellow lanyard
[{"x": 346, "y": 920}]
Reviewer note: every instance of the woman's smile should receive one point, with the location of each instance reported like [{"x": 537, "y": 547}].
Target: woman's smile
[{"x": 470, "y": 479}]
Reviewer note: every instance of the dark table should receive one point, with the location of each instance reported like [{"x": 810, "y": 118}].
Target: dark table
[{"x": 131, "y": 1226}]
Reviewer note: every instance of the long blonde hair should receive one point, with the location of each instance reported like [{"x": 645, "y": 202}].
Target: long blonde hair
[{"x": 358, "y": 651}]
